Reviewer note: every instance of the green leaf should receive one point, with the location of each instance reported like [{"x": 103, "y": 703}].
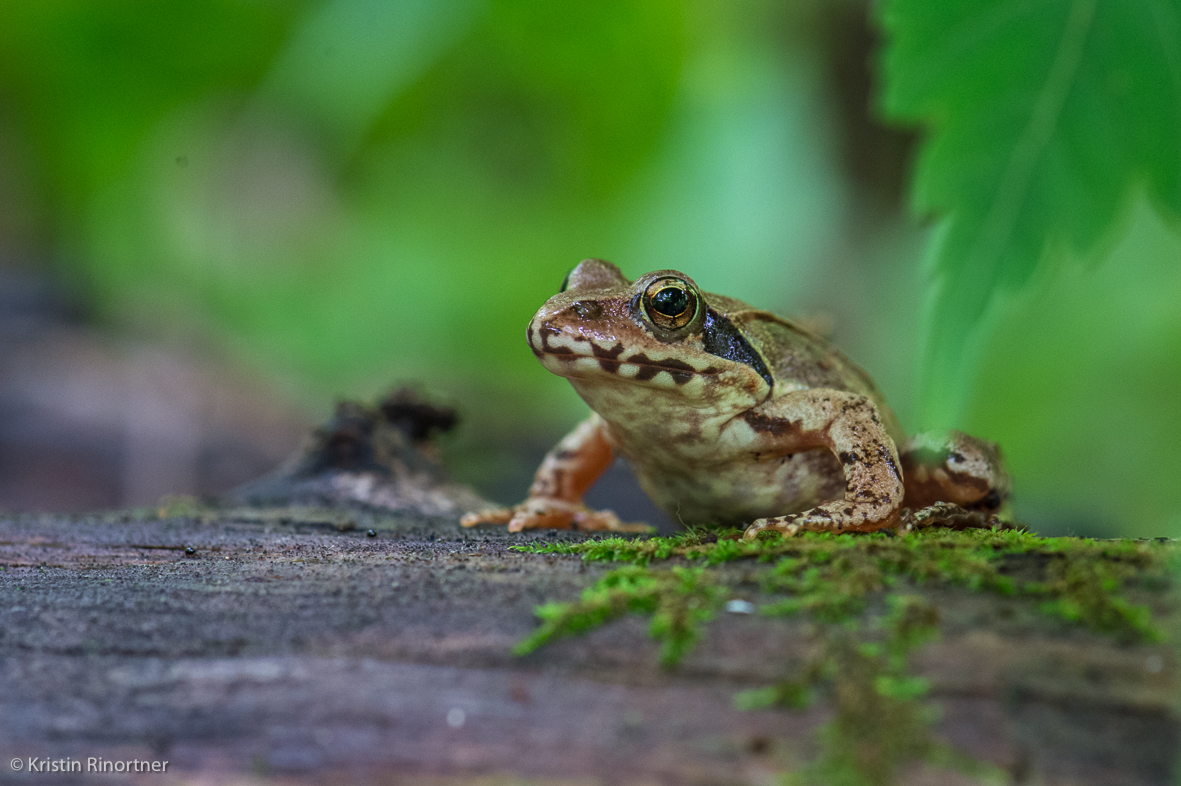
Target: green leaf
[{"x": 1042, "y": 118}]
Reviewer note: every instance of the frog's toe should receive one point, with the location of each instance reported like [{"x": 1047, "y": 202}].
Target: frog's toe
[
  {"x": 493, "y": 516},
  {"x": 541, "y": 519},
  {"x": 947, "y": 514},
  {"x": 534, "y": 514},
  {"x": 597, "y": 520},
  {"x": 787, "y": 525},
  {"x": 551, "y": 513},
  {"x": 605, "y": 520}
]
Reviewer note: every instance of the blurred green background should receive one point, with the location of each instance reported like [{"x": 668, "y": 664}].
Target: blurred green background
[{"x": 306, "y": 200}]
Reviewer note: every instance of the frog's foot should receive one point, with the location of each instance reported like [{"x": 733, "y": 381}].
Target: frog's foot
[
  {"x": 836, "y": 517},
  {"x": 952, "y": 516},
  {"x": 602, "y": 520},
  {"x": 788, "y": 525},
  {"x": 490, "y": 516},
  {"x": 542, "y": 513}
]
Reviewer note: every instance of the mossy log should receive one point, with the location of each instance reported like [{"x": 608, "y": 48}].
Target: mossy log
[{"x": 298, "y": 645}]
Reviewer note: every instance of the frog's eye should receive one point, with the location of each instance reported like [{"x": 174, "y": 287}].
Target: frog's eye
[
  {"x": 670, "y": 303},
  {"x": 565, "y": 283}
]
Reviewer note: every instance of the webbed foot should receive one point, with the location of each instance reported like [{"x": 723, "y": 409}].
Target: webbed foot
[
  {"x": 543, "y": 513},
  {"x": 941, "y": 514},
  {"x": 952, "y": 516}
]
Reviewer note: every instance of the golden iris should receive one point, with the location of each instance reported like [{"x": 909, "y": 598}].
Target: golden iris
[{"x": 670, "y": 303}]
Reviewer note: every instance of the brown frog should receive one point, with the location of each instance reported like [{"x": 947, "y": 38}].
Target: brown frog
[{"x": 732, "y": 415}]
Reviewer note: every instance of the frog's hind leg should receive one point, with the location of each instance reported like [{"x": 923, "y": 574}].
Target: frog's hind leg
[
  {"x": 953, "y": 480},
  {"x": 954, "y": 467}
]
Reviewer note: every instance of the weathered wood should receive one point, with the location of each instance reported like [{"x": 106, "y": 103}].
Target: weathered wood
[{"x": 292, "y": 650}]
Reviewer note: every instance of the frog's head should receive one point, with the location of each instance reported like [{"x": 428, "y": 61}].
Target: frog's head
[{"x": 660, "y": 332}]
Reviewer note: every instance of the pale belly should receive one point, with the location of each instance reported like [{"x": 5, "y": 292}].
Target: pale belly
[{"x": 742, "y": 489}]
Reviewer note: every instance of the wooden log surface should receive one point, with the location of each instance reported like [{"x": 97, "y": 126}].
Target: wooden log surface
[{"x": 284, "y": 650}]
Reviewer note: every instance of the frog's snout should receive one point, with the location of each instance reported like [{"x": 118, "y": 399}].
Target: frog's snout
[
  {"x": 570, "y": 339},
  {"x": 547, "y": 339},
  {"x": 566, "y": 328},
  {"x": 586, "y": 310}
]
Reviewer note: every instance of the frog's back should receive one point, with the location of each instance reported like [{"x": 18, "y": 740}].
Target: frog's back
[{"x": 799, "y": 359}]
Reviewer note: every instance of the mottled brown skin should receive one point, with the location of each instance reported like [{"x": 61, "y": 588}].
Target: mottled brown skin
[{"x": 730, "y": 415}]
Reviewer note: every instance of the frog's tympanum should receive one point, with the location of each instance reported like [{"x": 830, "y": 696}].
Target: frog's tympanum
[{"x": 731, "y": 415}]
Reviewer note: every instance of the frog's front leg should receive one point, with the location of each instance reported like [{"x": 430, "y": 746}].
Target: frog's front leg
[
  {"x": 849, "y": 425},
  {"x": 555, "y": 498}
]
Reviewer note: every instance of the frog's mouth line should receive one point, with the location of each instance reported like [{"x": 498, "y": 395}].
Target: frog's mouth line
[
  {"x": 610, "y": 360},
  {"x": 646, "y": 368}
]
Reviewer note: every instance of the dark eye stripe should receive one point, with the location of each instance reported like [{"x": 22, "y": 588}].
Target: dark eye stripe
[{"x": 721, "y": 338}]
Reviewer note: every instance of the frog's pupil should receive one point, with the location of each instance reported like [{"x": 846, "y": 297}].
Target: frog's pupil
[
  {"x": 671, "y": 301},
  {"x": 565, "y": 283}
]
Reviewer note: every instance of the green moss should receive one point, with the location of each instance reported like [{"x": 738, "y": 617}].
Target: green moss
[
  {"x": 879, "y": 725},
  {"x": 881, "y": 722},
  {"x": 679, "y": 600},
  {"x": 1089, "y": 591},
  {"x": 831, "y": 576}
]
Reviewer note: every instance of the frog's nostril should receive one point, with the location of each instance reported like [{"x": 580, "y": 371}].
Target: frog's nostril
[{"x": 587, "y": 309}]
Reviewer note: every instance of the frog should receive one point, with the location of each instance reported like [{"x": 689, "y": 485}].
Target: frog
[{"x": 732, "y": 416}]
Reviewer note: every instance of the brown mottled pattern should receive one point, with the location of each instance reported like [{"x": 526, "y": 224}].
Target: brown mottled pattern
[
  {"x": 735, "y": 415},
  {"x": 607, "y": 357},
  {"x": 803, "y": 357},
  {"x": 679, "y": 370},
  {"x": 765, "y": 424},
  {"x": 954, "y": 467}
]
